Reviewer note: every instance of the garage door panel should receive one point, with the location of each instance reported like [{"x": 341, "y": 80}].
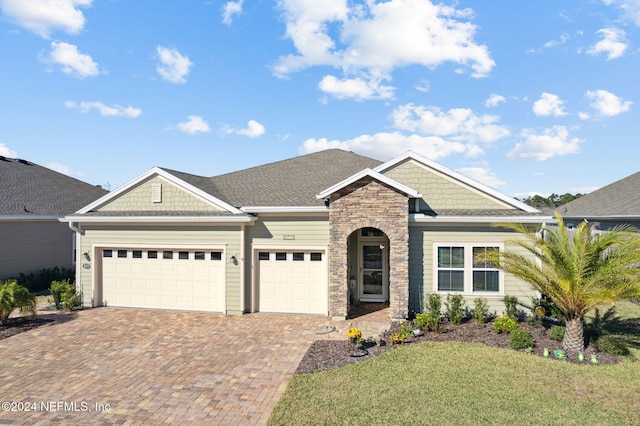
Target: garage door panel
[
  {"x": 164, "y": 282},
  {"x": 292, "y": 286}
]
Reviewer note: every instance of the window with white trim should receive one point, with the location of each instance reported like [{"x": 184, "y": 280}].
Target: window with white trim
[{"x": 458, "y": 269}]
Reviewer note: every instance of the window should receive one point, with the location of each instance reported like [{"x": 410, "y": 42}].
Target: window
[
  {"x": 183, "y": 255},
  {"x": 167, "y": 255},
  {"x": 371, "y": 232},
  {"x": 486, "y": 277},
  {"x": 281, "y": 256},
  {"x": 199, "y": 255},
  {"x": 451, "y": 269},
  {"x": 122, "y": 253},
  {"x": 137, "y": 254},
  {"x": 459, "y": 268},
  {"x": 316, "y": 257},
  {"x": 298, "y": 256},
  {"x": 263, "y": 255},
  {"x": 152, "y": 254},
  {"x": 216, "y": 255},
  {"x": 107, "y": 253}
]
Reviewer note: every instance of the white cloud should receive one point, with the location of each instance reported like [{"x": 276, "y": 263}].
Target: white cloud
[
  {"x": 104, "y": 110},
  {"x": 584, "y": 115},
  {"x": 553, "y": 142},
  {"x": 389, "y": 145},
  {"x": 482, "y": 175},
  {"x": 173, "y": 67},
  {"x": 355, "y": 88},
  {"x": 548, "y": 104},
  {"x": 44, "y": 16},
  {"x": 494, "y": 100},
  {"x": 5, "y": 151},
  {"x": 231, "y": 8},
  {"x": 606, "y": 103},
  {"x": 194, "y": 124},
  {"x": 369, "y": 40},
  {"x": 613, "y": 43},
  {"x": 71, "y": 61},
  {"x": 253, "y": 130},
  {"x": 551, "y": 43},
  {"x": 630, "y": 9},
  {"x": 459, "y": 124},
  {"x": 64, "y": 169}
]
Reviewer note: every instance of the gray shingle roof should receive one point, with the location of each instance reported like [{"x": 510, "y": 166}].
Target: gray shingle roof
[
  {"x": 621, "y": 198},
  {"x": 292, "y": 182},
  {"x": 29, "y": 189},
  {"x": 484, "y": 212}
]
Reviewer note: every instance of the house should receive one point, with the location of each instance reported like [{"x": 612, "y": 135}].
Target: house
[
  {"x": 32, "y": 199},
  {"x": 615, "y": 204},
  {"x": 313, "y": 234}
]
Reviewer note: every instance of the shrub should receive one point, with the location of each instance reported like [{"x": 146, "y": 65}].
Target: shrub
[
  {"x": 454, "y": 305},
  {"x": 430, "y": 318},
  {"x": 510, "y": 306},
  {"x": 64, "y": 294},
  {"x": 505, "y": 324},
  {"x": 41, "y": 280},
  {"x": 556, "y": 332},
  {"x": 611, "y": 344},
  {"x": 14, "y": 296},
  {"x": 520, "y": 339},
  {"x": 480, "y": 310}
]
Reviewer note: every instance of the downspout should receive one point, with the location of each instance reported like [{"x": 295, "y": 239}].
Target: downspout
[
  {"x": 242, "y": 272},
  {"x": 75, "y": 227}
]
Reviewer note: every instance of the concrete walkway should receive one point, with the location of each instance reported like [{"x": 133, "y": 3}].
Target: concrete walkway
[{"x": 125, "y": 366}]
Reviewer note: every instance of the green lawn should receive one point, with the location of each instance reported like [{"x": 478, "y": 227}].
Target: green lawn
[{"x": 457, "y": 383}]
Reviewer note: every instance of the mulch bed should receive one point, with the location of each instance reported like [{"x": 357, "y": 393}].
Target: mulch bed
[
  {"x": 20, "y": 325},
  {"x": 329, "y": 354}
]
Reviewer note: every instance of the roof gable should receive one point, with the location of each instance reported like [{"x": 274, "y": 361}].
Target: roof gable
[
  {"x": 28, "y": 189},
  {"x": 410, "y": 192},
  {"x": 445, "y": 189},
  {"x": 136, "y": 196}
]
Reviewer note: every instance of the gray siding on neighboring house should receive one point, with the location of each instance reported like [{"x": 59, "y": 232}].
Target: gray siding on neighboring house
[
  {"x": 28, "y": 246},
  {"x": 161, "y": 236},
  {"x": 422, "y": 262}
]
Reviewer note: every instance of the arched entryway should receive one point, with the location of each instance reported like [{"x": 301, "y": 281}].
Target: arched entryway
[{"x": 368, "y": 266}]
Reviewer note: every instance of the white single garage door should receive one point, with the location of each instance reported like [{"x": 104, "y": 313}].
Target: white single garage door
[
  {"x": 163, "y": 279},
  {"x": 292, "y": 281}
]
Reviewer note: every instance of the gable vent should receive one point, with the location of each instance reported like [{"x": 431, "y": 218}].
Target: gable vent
[{"x": 156, "y": 193}]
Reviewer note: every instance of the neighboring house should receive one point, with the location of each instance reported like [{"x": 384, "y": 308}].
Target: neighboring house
[
  {"x": 615, "y": 204},
  {"x": 313, "y": 234},
  {"x": 32, "y": 200}
]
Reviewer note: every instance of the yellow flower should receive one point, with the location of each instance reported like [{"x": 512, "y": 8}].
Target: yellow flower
[{"x": 354, "y": 333}]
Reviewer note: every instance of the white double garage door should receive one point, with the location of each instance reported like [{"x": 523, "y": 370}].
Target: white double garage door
[{"x": 287, "y": 281}]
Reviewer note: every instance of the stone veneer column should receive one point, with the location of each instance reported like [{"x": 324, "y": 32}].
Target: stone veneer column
[{"x": 369, "y": 203}]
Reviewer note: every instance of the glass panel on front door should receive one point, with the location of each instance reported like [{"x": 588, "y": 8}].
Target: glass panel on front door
[{"x": 372, "y": 271}]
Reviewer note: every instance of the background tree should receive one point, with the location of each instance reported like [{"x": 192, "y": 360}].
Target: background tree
[
  {"x": 579, "y": 269},
  {"x": 553, "y": 200}
]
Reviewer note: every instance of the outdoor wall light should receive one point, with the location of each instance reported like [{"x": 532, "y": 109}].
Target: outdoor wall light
[
  {"x": 86, "y": 256},
  {"x": 234, "y": 260}
]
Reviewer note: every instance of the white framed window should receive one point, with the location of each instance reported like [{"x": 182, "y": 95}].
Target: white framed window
[{"x": 458, "y": 269}]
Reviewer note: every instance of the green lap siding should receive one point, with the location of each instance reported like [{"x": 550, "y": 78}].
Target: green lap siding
[{"x": 422, "y": 258}]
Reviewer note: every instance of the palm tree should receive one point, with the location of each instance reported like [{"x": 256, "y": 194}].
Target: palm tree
[{"x": 577, "y": 269}]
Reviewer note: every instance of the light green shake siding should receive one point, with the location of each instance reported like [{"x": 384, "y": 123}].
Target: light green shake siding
[
  {"x": 161, "y": 237},
  {"x": 441, "y": 192},
  {"x": 422, "y": 258},
  {"x": 174, "y": 198}
]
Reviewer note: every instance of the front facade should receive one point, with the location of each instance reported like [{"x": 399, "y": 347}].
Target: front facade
[{"x": 316, "y": 234}]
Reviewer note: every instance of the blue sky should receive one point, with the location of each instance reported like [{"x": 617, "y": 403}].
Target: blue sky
[{"x": 538, "y": 98}]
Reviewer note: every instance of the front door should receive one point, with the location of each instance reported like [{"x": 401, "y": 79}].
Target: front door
[{"x": 374, "y": 272}]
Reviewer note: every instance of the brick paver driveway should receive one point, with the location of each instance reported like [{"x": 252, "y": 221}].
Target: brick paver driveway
[{"x": 124, "y": 366}]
